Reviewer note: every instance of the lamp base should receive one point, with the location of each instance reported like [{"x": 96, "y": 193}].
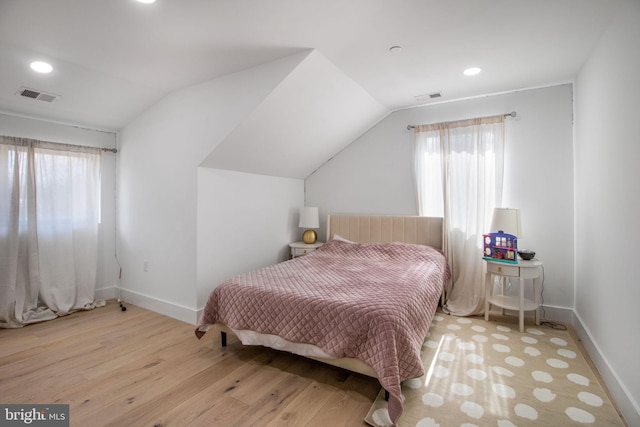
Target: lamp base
[{"x": 309, "y": 236}]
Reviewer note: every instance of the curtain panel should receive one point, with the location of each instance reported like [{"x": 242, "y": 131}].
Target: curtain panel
[
  {"x": 49, "y": 219},
  {"x": 459, "y": 173}
]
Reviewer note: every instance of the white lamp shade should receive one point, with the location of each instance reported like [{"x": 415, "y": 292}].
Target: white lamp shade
[
  {"x": 309, "y": 218},
  {"x": 506, "y": 220}
]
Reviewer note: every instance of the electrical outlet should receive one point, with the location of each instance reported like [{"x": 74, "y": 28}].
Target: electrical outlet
[{"x": 145, "y": 265}]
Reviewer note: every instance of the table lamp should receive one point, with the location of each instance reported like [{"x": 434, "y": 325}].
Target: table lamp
[
  {"x": 309, "y": 219},
  {"x": 506, "y": 220}
]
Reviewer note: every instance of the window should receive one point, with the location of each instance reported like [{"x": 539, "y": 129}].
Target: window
[
  {"x": 49, "y": 228},
  {"x": 458, "y": 172}
]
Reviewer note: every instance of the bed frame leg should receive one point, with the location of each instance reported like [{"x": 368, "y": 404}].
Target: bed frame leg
[
  {"x": 386, "y": 396},
  {"x": 223, "y": 338}
]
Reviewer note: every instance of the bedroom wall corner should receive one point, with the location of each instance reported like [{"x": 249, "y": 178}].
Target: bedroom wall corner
[
  {"x": 374, "y": 174},
  {"x": 245, "y": 221},
  {"x": 608, "y": 206}
]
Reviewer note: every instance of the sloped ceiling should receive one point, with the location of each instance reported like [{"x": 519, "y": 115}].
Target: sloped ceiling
[{"x": 310, "y": 116}]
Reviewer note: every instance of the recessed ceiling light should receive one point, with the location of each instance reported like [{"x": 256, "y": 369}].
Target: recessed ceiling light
[
  {"x": 41, "y": 67},
  {"x": 472, "y": 71},
  {"x": 146, "y": 1}
]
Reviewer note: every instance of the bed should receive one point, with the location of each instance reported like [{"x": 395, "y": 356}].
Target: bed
[{"x": 363, "y": 301}]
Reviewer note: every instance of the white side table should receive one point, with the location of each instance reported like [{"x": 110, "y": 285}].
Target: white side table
[
  {"x": 302, "y": 248},
  {"x": 523, "y": 270}
]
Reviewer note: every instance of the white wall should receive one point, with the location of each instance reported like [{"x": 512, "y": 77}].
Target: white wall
[
  {"x": 245, "y": 221},
  {"x": 67, "y": 134},
  {"x": 607, "y": 148},
  {"x": 158, "y": 184},
  {"x": 374, "y": 175}
]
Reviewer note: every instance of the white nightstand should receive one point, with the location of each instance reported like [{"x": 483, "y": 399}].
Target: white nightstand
[
  {"x": 522, "y": 270},
  {"x": 302, "y": 248}
]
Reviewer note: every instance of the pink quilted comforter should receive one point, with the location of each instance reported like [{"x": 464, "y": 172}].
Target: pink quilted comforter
[{"x": 374, "y": 302}]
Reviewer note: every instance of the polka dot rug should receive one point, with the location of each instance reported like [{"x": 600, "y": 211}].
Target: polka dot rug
[{"x": 489, "y": 374}]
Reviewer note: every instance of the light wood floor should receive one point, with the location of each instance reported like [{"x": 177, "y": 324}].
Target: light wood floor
[{"x": 139, "y": 368}]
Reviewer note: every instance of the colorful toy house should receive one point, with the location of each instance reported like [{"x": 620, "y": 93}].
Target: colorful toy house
[{"x": 501, "y": 247}]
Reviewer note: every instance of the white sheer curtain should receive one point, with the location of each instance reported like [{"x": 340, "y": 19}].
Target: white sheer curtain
[
  {"x": 49, "y": 217},
  {"x": 458, "y": 172}
]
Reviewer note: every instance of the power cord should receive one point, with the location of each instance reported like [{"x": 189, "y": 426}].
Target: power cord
[
  {"x": 548, "y": 323},
  {"x": 122, "y": 306}
]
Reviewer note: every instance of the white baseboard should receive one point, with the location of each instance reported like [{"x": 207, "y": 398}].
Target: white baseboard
[
  {"x": 621, "y": 395},
  {"x": 628, "y": 407},
  {"x": 184, "y": 314},
  {"x": 557, "y": 314}
]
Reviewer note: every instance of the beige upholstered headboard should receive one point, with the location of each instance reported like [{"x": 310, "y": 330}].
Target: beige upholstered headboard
[{"x": 385, "y": 229}]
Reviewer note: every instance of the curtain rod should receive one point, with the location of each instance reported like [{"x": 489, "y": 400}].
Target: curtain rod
[
  {"x": 112, "y": 150},
  {"x": 511, "y": 114},
  {"x": 21, "y": 116}
]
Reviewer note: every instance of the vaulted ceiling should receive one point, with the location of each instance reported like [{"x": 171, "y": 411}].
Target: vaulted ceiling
[{"x": 113, "y": 59}]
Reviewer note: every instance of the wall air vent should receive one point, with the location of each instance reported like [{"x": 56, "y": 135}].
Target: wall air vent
[{"x": 37, "y": 95}]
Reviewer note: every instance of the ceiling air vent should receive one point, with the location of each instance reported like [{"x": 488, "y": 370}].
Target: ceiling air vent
[
  {"x": 37, "y": 95},
  {"x": 428, "y": 96}
]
